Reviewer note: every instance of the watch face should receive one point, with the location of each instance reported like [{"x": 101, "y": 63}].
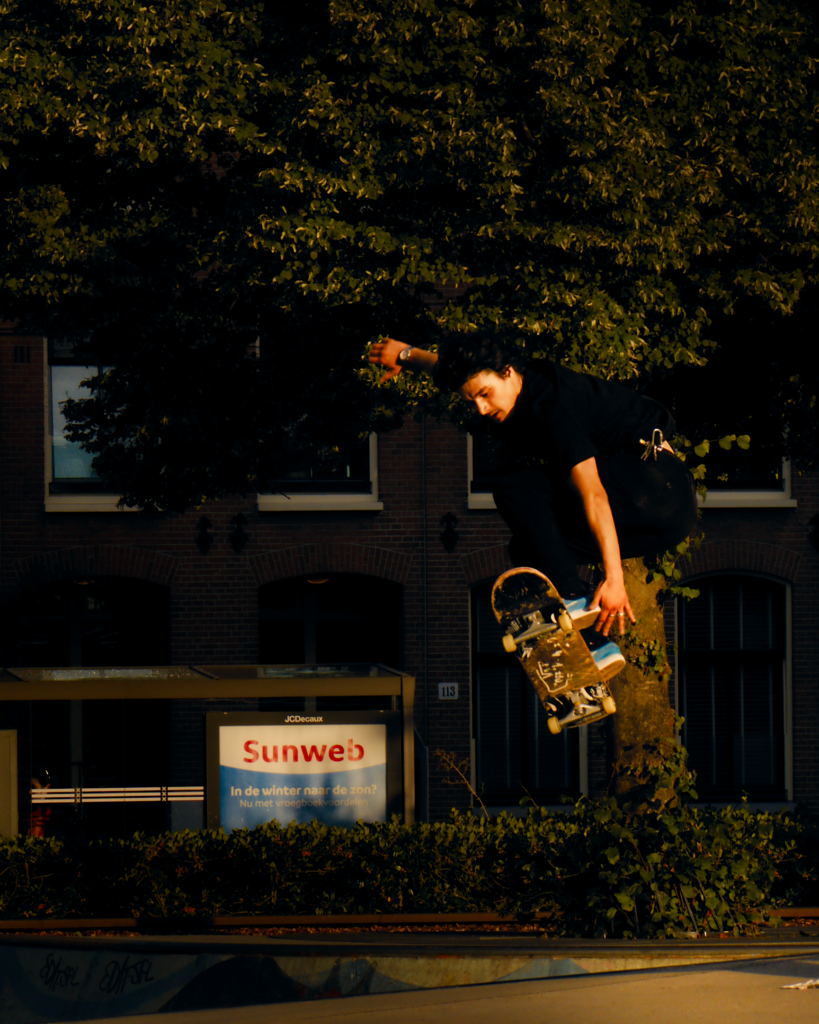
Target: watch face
[{"x": 403, "y": 355}]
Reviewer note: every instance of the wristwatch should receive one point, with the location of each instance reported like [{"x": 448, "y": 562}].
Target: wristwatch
[{"x": 403, "y": 355}]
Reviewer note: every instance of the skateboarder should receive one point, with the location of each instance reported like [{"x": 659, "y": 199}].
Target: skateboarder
[{"x": 591, "y": 477}]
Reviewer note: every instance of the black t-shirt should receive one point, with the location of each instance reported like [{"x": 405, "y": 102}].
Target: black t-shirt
[{"x": 562, "y": 418}]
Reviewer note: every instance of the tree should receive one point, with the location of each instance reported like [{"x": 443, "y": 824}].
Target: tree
[
  {"x": 615, "y": 179},
  {"x": 609, "y": 177}
]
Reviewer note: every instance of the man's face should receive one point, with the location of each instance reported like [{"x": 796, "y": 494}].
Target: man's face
[{"x": 494, "y": 394}]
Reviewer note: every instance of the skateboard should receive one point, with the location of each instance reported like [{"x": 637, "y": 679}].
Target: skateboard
[{"x": 541, "y": 633}]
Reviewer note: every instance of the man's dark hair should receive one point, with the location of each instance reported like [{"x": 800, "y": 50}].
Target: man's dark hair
[{"x": 461, "y": 356}]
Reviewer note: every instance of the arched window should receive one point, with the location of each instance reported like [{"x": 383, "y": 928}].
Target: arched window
[
  {"x": 103, "y": 620},
  {"x": 515, "y": 753},
  {"x": 328, "y": 618},
  {"x": 732, "y": 686}
]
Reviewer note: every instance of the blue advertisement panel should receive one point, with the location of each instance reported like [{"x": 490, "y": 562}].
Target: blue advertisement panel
[{"x": 333, "y": 772}]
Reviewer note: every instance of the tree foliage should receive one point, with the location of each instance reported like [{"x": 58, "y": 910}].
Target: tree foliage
[{"x": 615, "y": 179}]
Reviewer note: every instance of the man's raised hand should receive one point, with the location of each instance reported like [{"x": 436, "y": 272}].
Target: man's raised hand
[{"x": 385, "y": 353}]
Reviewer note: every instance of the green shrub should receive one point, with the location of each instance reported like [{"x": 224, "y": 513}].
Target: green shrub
[{"x": 649, "y": 864}]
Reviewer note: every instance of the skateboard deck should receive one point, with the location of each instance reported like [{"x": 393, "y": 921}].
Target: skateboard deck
[{"x": 553, "y": 654}]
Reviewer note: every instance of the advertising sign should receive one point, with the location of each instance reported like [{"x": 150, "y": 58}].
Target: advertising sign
[{"x": 300, "y": 768}]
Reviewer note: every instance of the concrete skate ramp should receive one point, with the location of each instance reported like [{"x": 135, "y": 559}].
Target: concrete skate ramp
[{"x": 46, "y": 979}]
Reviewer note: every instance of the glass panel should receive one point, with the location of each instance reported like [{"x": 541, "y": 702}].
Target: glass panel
[
  {"x": 357, "y": 640},
  {"x": 757, "y": 618},
  {"x": 281, "y": 643},
  {"x": 328, "y": 469},
  {"x": 70, "y": 462},
  {"x": 281, "y": 671},
  {"x": 499, "y": 748},
  {"x": 697, "y": 708},
  {"x": 697, "y": 621},
  {"x": 330, "y": 618},
  {"x": 92, "y": 744},
  {"x": 743, "y": 470},
  {"x": 74, "y": 674},
  {"x": 487, "y": 462},
  {"x": 725, "y": 609},
  {"x": 102, "y": 621},
  {"x": 548, "y": 757},
  {"x": 758, "y": 748},
  {"x": 489, "y": 638},
  {"x": 731, "y": 691}
]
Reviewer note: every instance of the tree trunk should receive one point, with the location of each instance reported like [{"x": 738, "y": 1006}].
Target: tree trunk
[{"x": 644, "y": 714}]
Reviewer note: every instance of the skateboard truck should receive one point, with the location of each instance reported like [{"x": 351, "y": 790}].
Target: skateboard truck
[
  {"x": 589, "y": 703},
  {"x": 536, "y": 624}
]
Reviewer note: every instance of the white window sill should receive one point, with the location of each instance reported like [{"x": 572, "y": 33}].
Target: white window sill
[
  {"x": 266, "y": 503},
  {"x": 716, "y": 499},
  {"x": 319, "y": 503},
  {"x": 516, "y": 811},
  {"x": 756, "y": 806},
  {"x": 746, "y": 499},
  {"x": 726, "y": 499},
  {"x": 84, "y": 503}
]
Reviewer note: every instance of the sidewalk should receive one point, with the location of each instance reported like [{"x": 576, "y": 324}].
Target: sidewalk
[{"x": 749, "y": 992}]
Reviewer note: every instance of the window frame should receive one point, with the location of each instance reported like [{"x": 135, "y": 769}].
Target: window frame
[
  {"x": 755, "y": 498},
  {"x": 94, "y": 500},
  {"x": 787, "y": 681},
  {"x": 89, "y": 501},
  {"x": 483, "y": 499}
]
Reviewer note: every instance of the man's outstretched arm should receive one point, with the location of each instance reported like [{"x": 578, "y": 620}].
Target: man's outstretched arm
[
  {"x": 386, "y": 352},
  {"x": 611, "y": 594}
]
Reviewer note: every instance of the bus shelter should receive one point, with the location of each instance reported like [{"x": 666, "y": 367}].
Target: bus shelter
[{"x": 111, "y": 750}]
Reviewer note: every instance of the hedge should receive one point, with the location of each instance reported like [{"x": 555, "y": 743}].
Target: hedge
[{"x": 651, "y": 865}]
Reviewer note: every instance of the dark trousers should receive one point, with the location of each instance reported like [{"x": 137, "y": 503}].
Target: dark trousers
[{"x": 653, "y": 502}]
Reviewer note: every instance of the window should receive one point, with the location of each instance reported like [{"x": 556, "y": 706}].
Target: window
[
  {"x": 327, "y": 470},
  {"x": 70, "y": 465},
  {"x": 732, "y": 687},
  {"x": 484, "y": 466},
  {"x": 746, "y": 479},
  {"x": 515, "y": 753},
  {"x": 326, "y": 481},
  {"x": 331, "y": 618},
  {"x": 749, "y": 479},
  {"x": 71, "y": 483},
  {"x": 109, "y": 620}
]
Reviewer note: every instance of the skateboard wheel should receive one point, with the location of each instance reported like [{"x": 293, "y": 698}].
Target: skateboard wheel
[
  {"x": 564, "y": 620},
  {"x": 509, "y": 643},
  {"x": 608, "y": 705},
  {"x": 555, "y": 728}
]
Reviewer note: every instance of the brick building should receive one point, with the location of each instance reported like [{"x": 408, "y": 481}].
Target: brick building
[{"x": 393, "y": 567}]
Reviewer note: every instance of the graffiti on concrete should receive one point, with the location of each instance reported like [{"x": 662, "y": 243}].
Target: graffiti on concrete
[
  {"x": 122, "y": 973},
  {"x": 54, "y": 975}
]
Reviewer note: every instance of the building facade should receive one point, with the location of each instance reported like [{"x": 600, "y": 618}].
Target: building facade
[{"x": 392, "y": 567}]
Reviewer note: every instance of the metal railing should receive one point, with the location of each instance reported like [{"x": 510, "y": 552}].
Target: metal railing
[{"x": 117, "y": 794}]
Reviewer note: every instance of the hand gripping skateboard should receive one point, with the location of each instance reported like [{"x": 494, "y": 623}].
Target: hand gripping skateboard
[{"x": 551, "y": 650}]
